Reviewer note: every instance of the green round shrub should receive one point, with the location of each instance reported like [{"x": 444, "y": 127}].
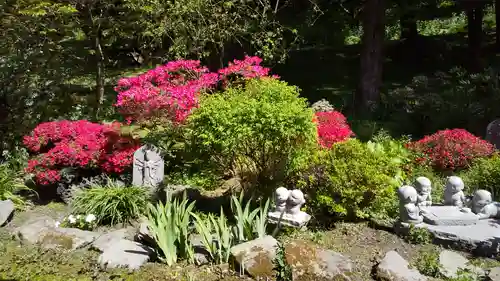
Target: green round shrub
[
  {"x": 253, "y": 130},
  {"x": 483, "y": 174},
  {"x": 353, "y": 180}
]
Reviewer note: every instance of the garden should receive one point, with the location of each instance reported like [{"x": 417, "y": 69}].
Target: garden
[{"x": 224, "y": 141}]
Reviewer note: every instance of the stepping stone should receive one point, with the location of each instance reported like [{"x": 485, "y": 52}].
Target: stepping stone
[{"x": 125, "y": 254}]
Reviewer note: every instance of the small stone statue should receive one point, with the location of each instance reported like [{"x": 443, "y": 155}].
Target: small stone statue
[
  {"x": 453, "y": 193},
  {"x": 295, "y": 202},
  {"x": 287, "y": 210},
  {"x": 281, "y": 197},
  {"x": 424, "y": 187},
  {"x": 483, "y": 205},
  {"x": 408, "y": 210}
]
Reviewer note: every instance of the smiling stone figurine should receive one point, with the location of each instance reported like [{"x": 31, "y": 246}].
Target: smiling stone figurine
[
  {"x": 408, "y": 210},
  {"x": 453, "y": 193},
  {"x": 424, "y": 187},
  {"x": 281, "y": 198},
  {"x": 483, "y": 205}
]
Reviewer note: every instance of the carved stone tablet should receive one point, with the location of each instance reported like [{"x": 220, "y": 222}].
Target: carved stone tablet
[{"x": 148, "y": 167}]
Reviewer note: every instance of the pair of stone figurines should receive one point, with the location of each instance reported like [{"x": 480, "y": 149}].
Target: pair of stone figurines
[
  {"x": 413, "y": 200},
  {"x": 287, "y": 210}
]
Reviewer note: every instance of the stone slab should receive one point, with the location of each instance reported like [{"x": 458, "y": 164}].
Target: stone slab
[
  {"x": 298, "y": 222},
  {"x": 448, "y": 215},
  {"x": 482, "y": 238}
]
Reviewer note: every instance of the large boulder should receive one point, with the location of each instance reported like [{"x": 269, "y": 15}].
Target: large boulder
[
  {"x": 6, "y": 211},
  {"x": 109, "y": 238},
  {"x": 256, "y": 257},
  {"x": 309, "y": 262},
  {"x": 124, "y": 253},
  {"x": 393, "y": 267},
  {"x": 42, "y": 230}
]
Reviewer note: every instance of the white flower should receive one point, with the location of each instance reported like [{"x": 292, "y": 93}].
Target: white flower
[
  {"x": 71, "y": 219},
  {"x": 57, "y": 223},
  {"x": 90, "y": 218}
]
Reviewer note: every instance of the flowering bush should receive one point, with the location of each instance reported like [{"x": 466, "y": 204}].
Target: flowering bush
[
  {"x": 332, "y": 127},
  {"x": 87, "y": 222},
  {"x": 77, "y": 144},
  {"x": 451, "y": 149},
  {"x": 171, "y": 91}
]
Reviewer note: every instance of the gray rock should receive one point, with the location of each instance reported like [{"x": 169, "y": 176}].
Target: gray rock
[
  {"x": 143, "y": 234},
  {"x": 125, "y": 254},
  {"x": 451, "y": 263},
  {"x": 394, "y": 268},
  {"x": 201, "y": 255},
  {"x": 107, "y": 239},
  {"x": 311, "y": 263},
  {"x": 482, "y": 238},
  {"x": 493, "y": 133},
  {"x": 448, "y": 215},
  {"x": 494, "y": 274},
  {"x": 322, "y": 106},
  {"x": 6, "y": 211},
  {"x": 42, "y": 231},
  {"x": 256, "y": 257}
]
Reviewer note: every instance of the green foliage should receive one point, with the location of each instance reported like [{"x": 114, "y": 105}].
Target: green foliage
[
  {"x": 249, "y": 224},
  {"x": 418, "y": 235},
  {"x": 111, "y": 204},
  {"x": 253, "y": 130},
  {"x": 452, "y": 99},
  {"x": 192, "y": 28},
  {"x": 427, "y": 263},
  {"x": 355, "y": 179},
  {"x": 11, "y": 183},
  {"x": 169, "y": 224},
  {"x": 217, "y": 236},
  {"x": 283, "y": 269},
  {"x": 483, "y": 174}
]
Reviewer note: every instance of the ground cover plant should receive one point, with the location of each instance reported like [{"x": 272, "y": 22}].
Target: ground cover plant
[{"x": 111, "y": 204}]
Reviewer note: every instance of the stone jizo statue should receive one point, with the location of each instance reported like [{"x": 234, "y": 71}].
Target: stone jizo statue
[
  {"x": 424, "y": 187},
  {"x": 484, "y": 206},
  {"x": 281, "y": 198},
  {"x": 453, "y": 192},
  {"x": 148, "y": 167},
  {"x": 287, "y": 210},
  {"x": 295, "y": 202},
  {"x": 408, "y": 210}
]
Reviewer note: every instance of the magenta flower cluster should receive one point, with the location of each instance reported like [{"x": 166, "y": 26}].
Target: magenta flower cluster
[{"x": 172, "y": 90}]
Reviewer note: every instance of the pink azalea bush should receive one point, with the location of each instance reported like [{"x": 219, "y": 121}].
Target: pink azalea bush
[
  {"x": 332, "y": 127},
  {"x": 451, "y": 149},
  {"x": 171, "y": 91},
  {"x": 78, "y": 144}
]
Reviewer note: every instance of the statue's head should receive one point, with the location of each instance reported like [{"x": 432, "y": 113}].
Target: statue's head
[
  {"x": 423, "y": 185},
  {"x": 282, "y": 194},
  {"x": 407, "y": 194},
  {"x": 481, "y": 198},
  {"x": 454, "y": 184},
  {"x": 296, "y": 197}
]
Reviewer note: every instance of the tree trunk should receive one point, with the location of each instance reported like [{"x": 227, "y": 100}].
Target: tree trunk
[
  {"x": 99, "y": 73},
  {"x": 497, "y": 26},
  {"x": 475, "y": 34},
  {"x": 408, "y": 25},
  {"x": 372, "y": 41}
]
